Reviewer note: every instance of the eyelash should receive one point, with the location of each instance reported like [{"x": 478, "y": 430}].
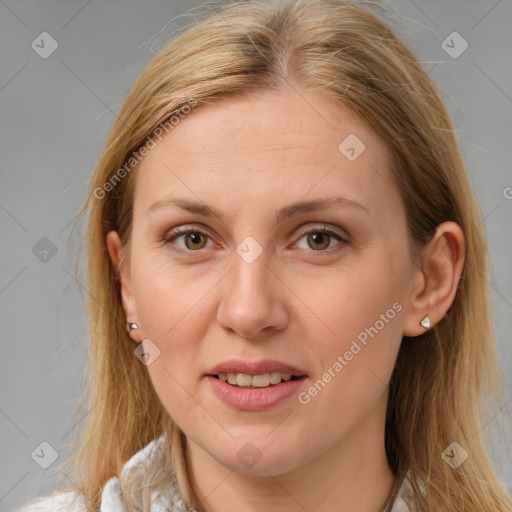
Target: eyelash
[{"x": 169, "y": 239}]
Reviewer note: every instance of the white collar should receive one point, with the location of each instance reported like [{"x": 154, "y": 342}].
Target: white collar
[
  {"x": 111, "y": 500},
  {"x": 400, "y": 505}
]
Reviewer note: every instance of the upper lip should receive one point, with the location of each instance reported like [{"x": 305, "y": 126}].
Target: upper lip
[{"x": 255, "y": 367}]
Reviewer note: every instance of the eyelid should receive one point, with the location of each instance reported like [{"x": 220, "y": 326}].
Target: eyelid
[
  {"x": 184, "y": 230},
  {"x": 321, "y": 227}
]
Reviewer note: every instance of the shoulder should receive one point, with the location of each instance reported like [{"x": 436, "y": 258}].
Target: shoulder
[
  {"x": 64, "y": 501},
  {"x": 112, "y": 498}
]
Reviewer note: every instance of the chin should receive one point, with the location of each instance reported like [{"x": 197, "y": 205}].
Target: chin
[
  {"x": 271, "y": 460},
  {"x": 262, "y": 467}
]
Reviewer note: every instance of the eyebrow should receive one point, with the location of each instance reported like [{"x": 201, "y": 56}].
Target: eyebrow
[{"x": 296, "y": 208}]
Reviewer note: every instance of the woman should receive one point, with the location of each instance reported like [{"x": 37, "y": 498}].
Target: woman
[{"x": 286, "y": 269}]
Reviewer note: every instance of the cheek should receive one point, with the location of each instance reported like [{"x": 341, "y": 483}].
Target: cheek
[
  {"x": 363, "y": 303},
  {"x": 167, "y": 297},
  {"x": 172, "y": 303},
  {"x": 361, "y": 331},
  {"x": 356, "y": 366}
]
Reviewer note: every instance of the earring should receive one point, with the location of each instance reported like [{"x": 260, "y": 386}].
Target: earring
[
  {"x": 426, "y": 322},
  {"x": 131, "y": 326}
]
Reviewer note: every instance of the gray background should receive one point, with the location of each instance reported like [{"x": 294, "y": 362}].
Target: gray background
[{"x": 55, "y": 114}]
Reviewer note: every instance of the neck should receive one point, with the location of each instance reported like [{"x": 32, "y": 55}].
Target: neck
[{"x": 353, "y": 475}]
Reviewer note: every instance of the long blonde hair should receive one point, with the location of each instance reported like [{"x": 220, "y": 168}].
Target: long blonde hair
[{"x": 445, "y": 381}]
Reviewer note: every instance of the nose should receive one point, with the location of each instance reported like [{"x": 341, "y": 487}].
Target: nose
[{"x": 253, "y": 299}]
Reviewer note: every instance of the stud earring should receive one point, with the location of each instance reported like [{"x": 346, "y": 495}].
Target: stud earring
[
  {"x": 426, "y": 322},
  {"x": 132, "y": 331}
]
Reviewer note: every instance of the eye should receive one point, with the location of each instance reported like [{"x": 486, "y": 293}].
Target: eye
[
  {"x": 319, "y": 238},
  {"x": 193, "y": 238}
]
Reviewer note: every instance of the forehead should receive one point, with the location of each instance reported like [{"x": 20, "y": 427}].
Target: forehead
[{"x": 268, "y": 147}]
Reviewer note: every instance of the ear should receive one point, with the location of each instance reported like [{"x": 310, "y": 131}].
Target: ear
[
  {"x": 435, "y": 284},
  {"x": 116, "y": 249}
]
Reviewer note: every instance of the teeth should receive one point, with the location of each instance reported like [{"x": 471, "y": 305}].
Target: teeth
[
  {"x": 231, "y": 378},
  {"x": 243, "y": 379},
  {"x": 275, "y": 378},
  {"x": 258, "y": 381}
]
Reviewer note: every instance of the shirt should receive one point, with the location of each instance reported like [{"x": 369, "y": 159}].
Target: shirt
[{"x": 111, "y": 496}]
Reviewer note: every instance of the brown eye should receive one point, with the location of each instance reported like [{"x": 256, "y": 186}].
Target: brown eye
[
  {"x": 319, "y": 239},
  {"x": 194, "y": 239}
]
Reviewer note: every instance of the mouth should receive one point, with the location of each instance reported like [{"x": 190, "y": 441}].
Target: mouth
[
  {"x": 262, "y": 373},
  {"x": 255, "y": 392},
  {"x": 262, "y": 380}
]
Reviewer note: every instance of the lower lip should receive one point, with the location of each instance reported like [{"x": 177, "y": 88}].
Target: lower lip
[{"x": 254, "y": 399}]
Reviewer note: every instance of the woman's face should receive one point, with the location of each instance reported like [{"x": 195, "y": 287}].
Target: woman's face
[{"x": 266, "y": 282}]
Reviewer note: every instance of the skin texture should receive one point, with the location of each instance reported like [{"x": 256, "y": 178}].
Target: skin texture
[{"x": 296, "y": 303}]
